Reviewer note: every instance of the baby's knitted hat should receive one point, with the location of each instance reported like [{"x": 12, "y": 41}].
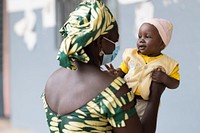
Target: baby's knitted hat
[{"x": 164, "y": 28}]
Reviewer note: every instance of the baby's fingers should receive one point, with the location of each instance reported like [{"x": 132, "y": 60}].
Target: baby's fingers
[
  {"x": 107, "y": 66},
  {"x": 111, "y": 66}
]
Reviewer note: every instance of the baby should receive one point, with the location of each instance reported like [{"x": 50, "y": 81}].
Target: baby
[{"x": 146, "y": 63}]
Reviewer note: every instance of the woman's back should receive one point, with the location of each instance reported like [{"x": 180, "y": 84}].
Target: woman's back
[
  {"x": 73, "y": 88},
  {"x": 76, "y": 101}
]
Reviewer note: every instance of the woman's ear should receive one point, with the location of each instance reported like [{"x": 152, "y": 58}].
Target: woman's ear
[{"x": 99, "y": 42}]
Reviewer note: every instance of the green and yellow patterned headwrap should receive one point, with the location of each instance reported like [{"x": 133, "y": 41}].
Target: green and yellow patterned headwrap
[{"x": 89, "y": 20}]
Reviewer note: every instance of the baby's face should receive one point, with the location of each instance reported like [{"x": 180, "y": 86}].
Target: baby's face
[{"x": 149, "y": 41}]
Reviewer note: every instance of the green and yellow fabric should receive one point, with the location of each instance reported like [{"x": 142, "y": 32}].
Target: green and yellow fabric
[
  {"x": 90, "y": 20},
  {"x": 99, "y": 115}
]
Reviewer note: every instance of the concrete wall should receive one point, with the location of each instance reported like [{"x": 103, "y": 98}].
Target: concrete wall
[
  {"x": 179, "y": 110},
  {"x": 29, "y": 72}
]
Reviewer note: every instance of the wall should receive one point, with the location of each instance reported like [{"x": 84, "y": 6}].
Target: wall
[
  {"x": 29, "y": 72},
  {"x": 179, "y": 109}
]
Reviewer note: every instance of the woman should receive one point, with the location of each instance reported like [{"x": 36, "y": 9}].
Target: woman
[{"x": 82, "y": 98}]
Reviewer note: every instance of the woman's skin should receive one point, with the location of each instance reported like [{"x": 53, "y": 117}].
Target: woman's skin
[{"x": 149, "y": 119}]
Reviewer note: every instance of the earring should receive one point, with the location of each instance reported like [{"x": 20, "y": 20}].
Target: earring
[{"x": 101, "y": 53}]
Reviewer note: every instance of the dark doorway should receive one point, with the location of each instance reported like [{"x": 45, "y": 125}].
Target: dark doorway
[{"x": 63, "y": 9}]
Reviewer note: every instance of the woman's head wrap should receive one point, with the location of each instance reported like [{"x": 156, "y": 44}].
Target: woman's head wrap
[
  {"x": 164, "y": 28},
  {"x": 89, "y": 20}
]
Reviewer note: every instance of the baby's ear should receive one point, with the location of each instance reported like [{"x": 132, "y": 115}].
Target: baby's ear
[{"x": 163, "y": 45}]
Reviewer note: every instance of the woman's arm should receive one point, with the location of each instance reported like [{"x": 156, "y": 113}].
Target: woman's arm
[
  {"x": 149, "y": 119},
  {"x": 133, "y": 123}
]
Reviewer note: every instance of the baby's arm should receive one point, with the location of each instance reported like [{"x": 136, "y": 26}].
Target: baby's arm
[
  {"x": 161, "y": 77},
  {"x": 120, "y": 72}
]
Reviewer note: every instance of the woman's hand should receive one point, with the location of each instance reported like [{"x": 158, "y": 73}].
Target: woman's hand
[{"x": 158, "y": 76}]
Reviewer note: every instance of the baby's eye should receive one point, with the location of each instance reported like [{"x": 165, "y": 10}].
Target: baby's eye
[
  {"x": 148, "y": 36},
  {"x": 139, "y": 36}
]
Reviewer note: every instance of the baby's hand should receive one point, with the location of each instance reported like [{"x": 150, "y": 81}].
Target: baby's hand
[
  {"x": 158, "y": 75},
  {"x": 111, "y": 70}
]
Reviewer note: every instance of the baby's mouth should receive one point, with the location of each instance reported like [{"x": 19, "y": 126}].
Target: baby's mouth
[{"x": 141, "y": 47}]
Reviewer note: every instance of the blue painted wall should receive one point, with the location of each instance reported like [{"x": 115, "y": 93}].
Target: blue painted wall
[
  {"x": 179, "y": 109},
  {"x": 29, "y": 72}
]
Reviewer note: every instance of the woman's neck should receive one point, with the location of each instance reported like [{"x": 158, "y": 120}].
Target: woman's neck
[{"x": 86, "y": 66}]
